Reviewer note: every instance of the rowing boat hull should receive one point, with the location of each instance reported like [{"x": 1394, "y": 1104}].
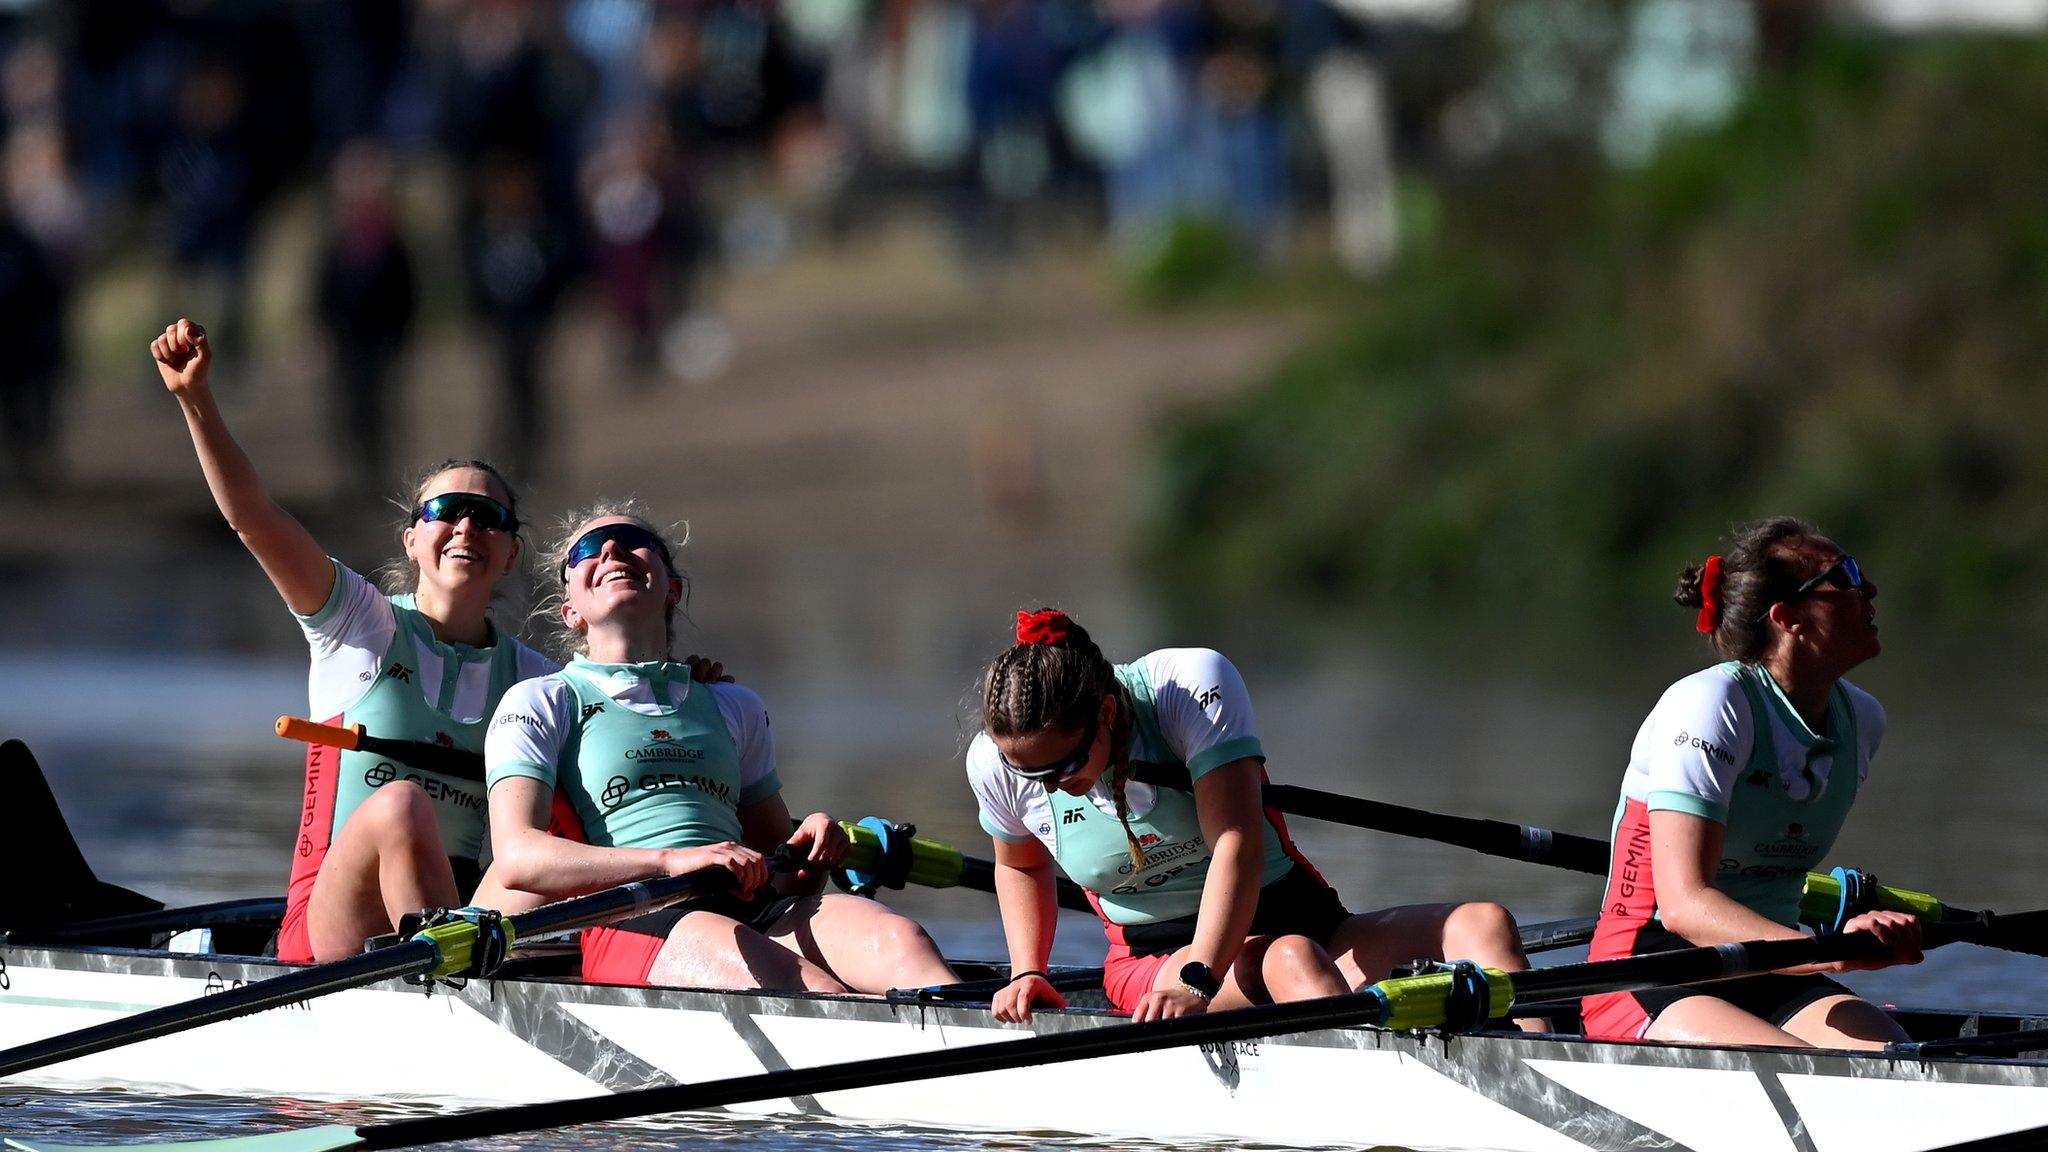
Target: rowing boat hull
[{"x": 526, "y": 1040}]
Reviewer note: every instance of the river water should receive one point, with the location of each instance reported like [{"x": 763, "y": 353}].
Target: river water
[{"x": 189, "y": 799}]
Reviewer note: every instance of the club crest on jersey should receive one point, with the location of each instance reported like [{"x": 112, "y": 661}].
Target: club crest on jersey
[{"x": 662, "y": 745}]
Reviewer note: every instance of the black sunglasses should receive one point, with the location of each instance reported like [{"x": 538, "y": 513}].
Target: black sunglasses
[
  {"x": 1065, "y": 768},
  {"x": 628, "y": 536},
  {"x": 482, "y": 510},
  {"x": 1844, "y": 573}
]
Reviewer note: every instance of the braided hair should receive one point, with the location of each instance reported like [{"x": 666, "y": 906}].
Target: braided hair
[{"x": 1054, "y": 677}]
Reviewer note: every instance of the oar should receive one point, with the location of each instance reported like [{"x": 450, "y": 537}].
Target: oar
[
  {"x": 1432, "y": 999},
  {"x": 1820, "y": 903},
  {"x": 901, "y": 857},
  {"x": 932, "y": 864},
  {"x": 979, "y": 991},
  {"x": 1083, "y": 1044},
  {"x": 220, "y": 913},
  {"x": 460, "y": 763},
  {"x": 444, "y": 949}
]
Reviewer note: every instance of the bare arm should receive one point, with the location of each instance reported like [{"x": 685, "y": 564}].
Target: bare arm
[
  {"x": 294, "y": 561},
  {"x": 1028, "y": 896},
  {"x": 1687, "y": 849},
  {"x": 527, "y": 857},
  {"x": 1228, "y": 804}
]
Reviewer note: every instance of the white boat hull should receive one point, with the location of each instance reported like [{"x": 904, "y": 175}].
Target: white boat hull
[{"x": 512, "y": 1041}]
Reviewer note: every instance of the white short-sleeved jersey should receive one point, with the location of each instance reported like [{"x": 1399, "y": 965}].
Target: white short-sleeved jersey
[
  {"x": 349, "y": 636},
  {"x": 538, "y": 720},
  {"x": 1697, "y": 741},
  {"x": 1204, "y": 721}
]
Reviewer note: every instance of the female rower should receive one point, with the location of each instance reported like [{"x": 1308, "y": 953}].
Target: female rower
[
  {"x": 1205, "y": 899},
  {"x": 376, "y": 839},
  {"x": 1736, "y": 786},
  {"x": 619, "y": 768}
]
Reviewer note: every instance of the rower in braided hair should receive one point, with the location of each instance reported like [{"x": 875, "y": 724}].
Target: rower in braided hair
[{"x": 1142, "y": 782}]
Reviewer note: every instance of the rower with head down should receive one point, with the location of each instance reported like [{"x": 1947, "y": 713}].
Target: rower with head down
[
  {"x": 423, "y": 662},
  {"x": 1205, "y": 899},
  {"x": 1736, "y": 786},
  {"x": 619, "y": 768}
]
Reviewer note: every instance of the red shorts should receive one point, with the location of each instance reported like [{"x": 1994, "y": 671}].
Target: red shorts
[
  {"x": 625, "y": 952},
  {"x": 294, "y": 946},
  {"x": 1298, "y": 903}
]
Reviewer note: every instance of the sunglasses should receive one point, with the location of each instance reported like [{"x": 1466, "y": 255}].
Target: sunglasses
[
  {"x": 483, "y": 511},
  {"x": 1845, "y": 573},
  {"x": 628, "y": 537},
  {"x": 1064, "y": 769}
]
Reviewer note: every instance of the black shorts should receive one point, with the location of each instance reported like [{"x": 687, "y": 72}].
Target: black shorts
[
  {"x": 1771, "y": 996},
  {"x": 1297, "y": 904},
  {"x": 759, "y": 913}
]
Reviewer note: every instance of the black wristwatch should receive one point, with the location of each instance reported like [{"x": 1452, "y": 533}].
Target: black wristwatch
[{"x": 1196, "y": 977}]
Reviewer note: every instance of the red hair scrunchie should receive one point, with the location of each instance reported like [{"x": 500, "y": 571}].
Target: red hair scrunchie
[
  {"x": 1050, "y": 626},
  {"x": 1710, "y": 595}
]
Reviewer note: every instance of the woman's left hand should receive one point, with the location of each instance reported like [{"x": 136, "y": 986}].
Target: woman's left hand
[
  {"x": 821, "y": 840},
  {"x": 705, "y": 670},
  {"x": 1167, "y": 1003}
]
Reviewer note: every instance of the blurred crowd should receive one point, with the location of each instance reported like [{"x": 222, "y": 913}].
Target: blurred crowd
[{"x": 631, "y": 145}]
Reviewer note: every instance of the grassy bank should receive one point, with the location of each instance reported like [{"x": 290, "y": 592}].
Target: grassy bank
[{"x": 1835, "y": 305}]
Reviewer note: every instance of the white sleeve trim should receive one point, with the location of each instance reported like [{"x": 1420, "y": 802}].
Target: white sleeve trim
[
  {"x": 746, "y": 718},
  {"x": 530, "y": 730},
  {"x": 1696, "y": 743},
  {"x": 1205, "y": 710},
  {"x": 998, "y": 792}
]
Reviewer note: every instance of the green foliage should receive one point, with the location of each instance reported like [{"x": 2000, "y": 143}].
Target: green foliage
[
  {"x": 1192, "y": 257},
  {"x": 1836, "y": 305}
]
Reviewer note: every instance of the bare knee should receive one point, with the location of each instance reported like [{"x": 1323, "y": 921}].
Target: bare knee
[
  {"x": 401, "y": 811},
  {"x": 1483, "y": 931},
  {"x": 1295, "y": 967},
  {"x": 900, "y": 936}
]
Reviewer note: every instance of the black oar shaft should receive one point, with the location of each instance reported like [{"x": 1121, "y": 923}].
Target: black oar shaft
[
  {"x": 980, "y": 875},
  {"x": 1492, "y": 837},
  {"x": 411, "y": 957}
]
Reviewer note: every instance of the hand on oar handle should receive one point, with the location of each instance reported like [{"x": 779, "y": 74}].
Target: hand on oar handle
[
  {"x": 1899, "y": 931},
  {"x": 1014, "y": 1002},
  {"x": 749, "y": 868},
  {"x": 821, "y": 842}
]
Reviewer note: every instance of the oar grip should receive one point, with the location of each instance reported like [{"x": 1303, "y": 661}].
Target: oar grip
[{"x": 308, "y": 732}]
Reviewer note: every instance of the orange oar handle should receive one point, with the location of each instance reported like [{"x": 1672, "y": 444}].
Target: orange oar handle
[{"x": 305, "y": 731}]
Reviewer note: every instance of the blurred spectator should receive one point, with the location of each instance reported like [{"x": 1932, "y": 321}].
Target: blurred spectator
[
  {"x": 365, "y": 297},
  {"x": 208, "y": 190},
  {"x": 646, "y": 234},
  {"x": 516, "y": 260},
  {"x": 32, "y": 326}
]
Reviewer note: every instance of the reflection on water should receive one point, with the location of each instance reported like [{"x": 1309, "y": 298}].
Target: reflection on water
[{"x": 108, "y": 1118}]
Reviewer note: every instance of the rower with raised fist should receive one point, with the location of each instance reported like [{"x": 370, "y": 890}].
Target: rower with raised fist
[
  {"x": 417, "y": 660},
  {"x": 621, "y": 768},
  {"x": 1142, "y": 782},
  {"x": 1736, "y": 787}
]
